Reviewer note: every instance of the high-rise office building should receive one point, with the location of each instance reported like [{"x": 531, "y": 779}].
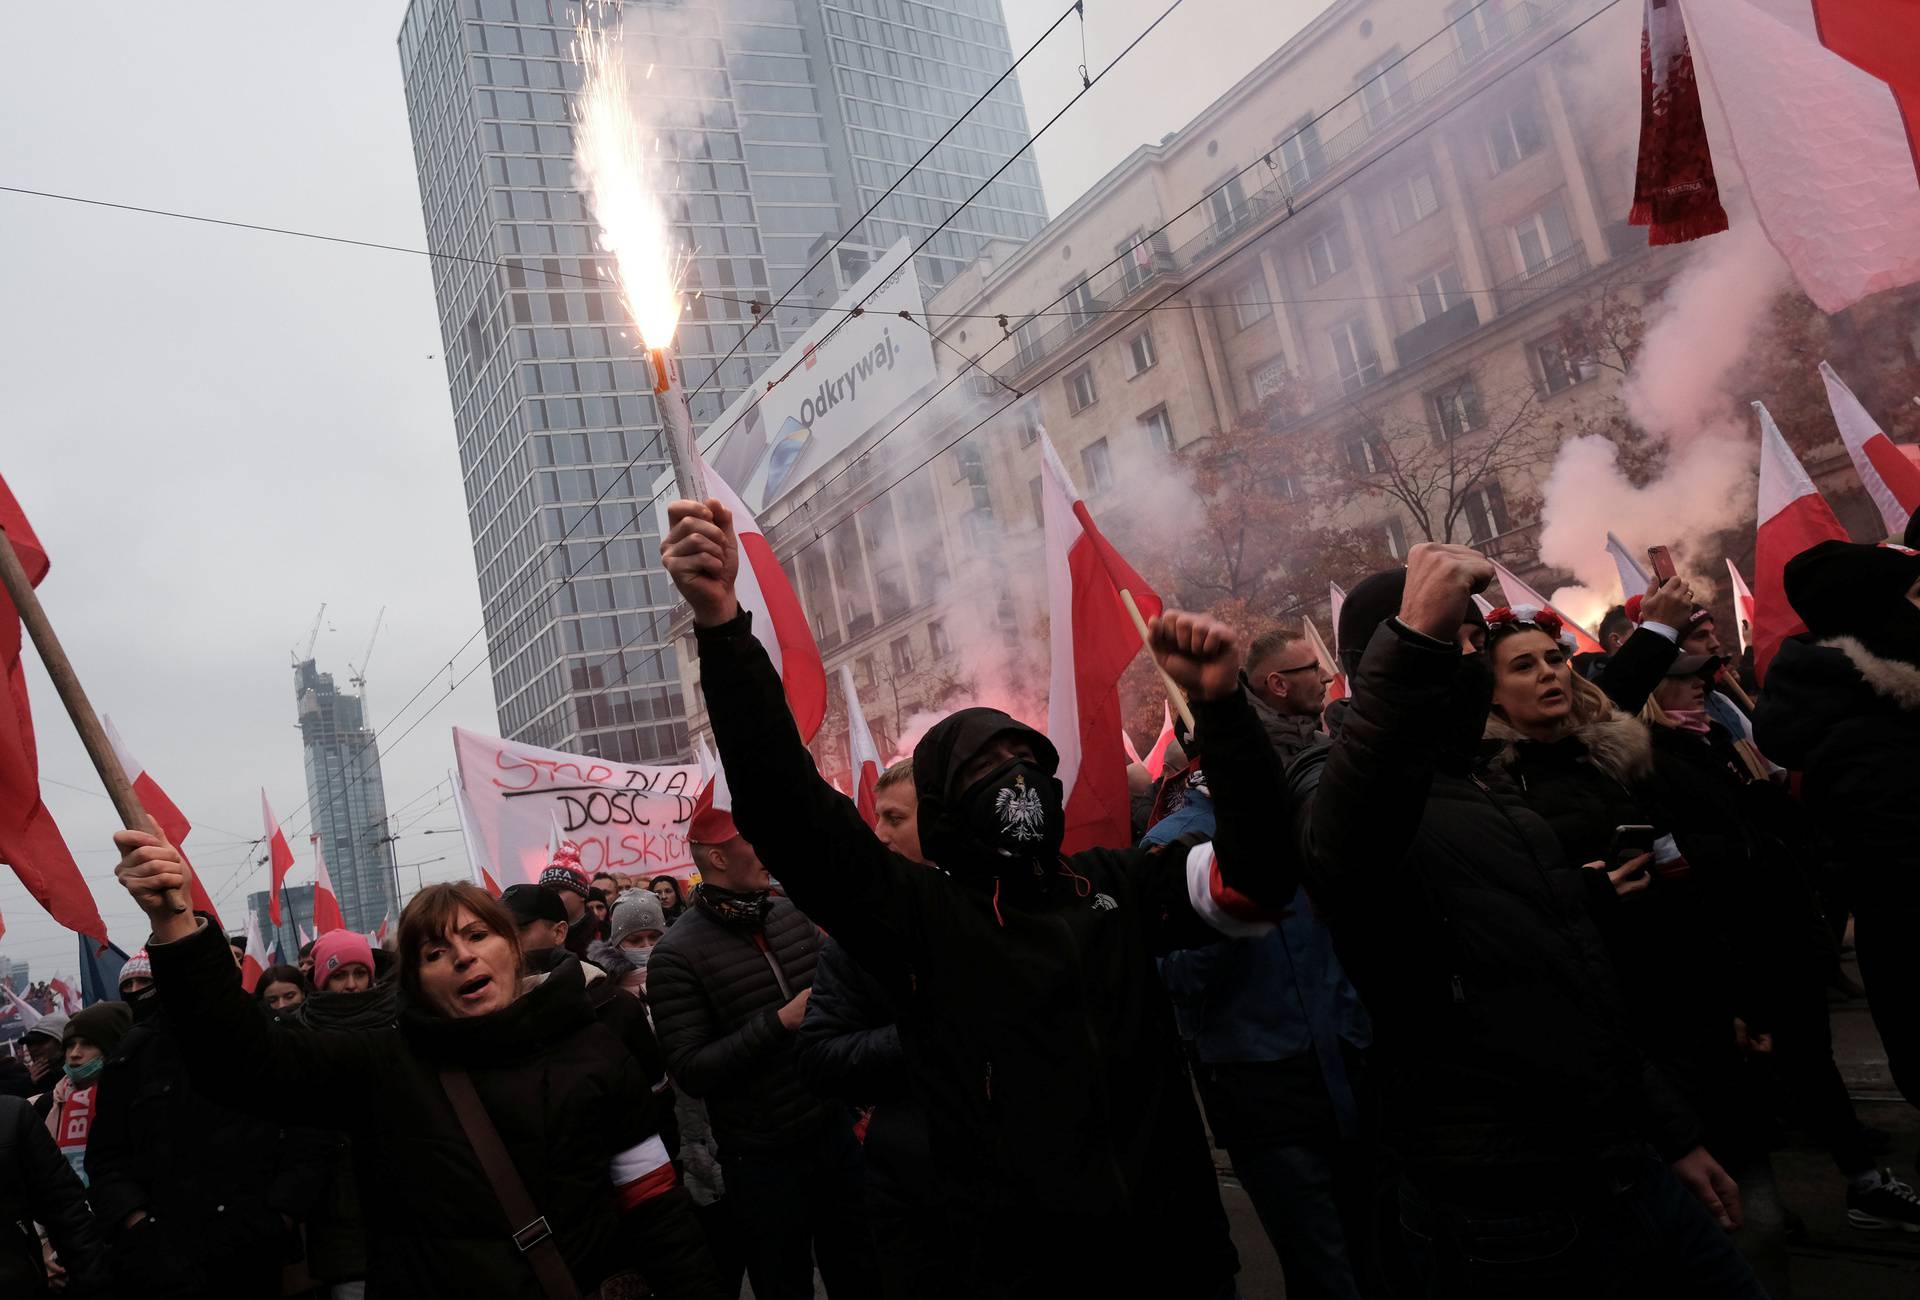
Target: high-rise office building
[
  {"x": 347, "y": 799},
  {"x": 296, "y": 919},
  {"x": 787, "y": 119}
]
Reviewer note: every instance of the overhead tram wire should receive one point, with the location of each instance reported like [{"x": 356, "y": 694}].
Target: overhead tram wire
[{"x": 1078, "y": 6}]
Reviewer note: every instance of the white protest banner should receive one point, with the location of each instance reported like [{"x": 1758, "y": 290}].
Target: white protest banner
[{"x": 627, "y": 818}]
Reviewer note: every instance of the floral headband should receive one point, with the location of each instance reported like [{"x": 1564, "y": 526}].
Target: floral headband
[{"x": 1506, "y": 619}]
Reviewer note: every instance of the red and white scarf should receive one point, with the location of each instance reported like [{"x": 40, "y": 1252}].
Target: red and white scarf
[{"x": 1674, "y": 192}]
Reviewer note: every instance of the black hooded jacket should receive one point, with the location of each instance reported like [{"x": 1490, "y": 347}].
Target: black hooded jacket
[
  {"x": 561, "y": 1089},
  {"x": 1039, "y": 1041},
  {"x": 37, "y": 1185},
  {"x": 1504, "y": 1057},
  {"x": 1850, "y": 720}
]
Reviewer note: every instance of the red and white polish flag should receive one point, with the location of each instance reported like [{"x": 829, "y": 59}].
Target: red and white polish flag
[
  {"x": 1519, "y": 593},
  {"x": 68, "y": 1002},
  {"x": 863, "y": 752},
  {"x": 1892, "y": 480},
  {"x": 1821, "y": 99},
  {"x": 326, "y": 905},
  {"x": 476, "y": 847},
  {"x": 1133, "y": 750},
  {"x": 254, "y": 961},
  {"x": 279, "y": 854},
  {"x": 1093, "y": 641},
  {"x": 1634, "y": 580},
  {"x": 778, "y": 620},
  {"x": 1742, "y": 606},
  {"x": 1793, "y": 516},
  {"x": 166, "y": 814},
  {"x": 1156, "y": 760}
]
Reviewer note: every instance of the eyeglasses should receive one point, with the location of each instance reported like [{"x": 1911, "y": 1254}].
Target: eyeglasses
[{"x": 1312, "y": 665}]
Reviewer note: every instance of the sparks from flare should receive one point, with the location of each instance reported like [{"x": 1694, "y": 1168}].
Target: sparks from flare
[{"x": 625, "y": 181}]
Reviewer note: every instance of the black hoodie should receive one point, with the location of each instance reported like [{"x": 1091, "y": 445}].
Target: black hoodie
[{"x": 1039, "y": 1039}]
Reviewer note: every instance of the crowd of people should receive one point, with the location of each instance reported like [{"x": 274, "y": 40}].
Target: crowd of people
[{"x": 1498, "y": 976}]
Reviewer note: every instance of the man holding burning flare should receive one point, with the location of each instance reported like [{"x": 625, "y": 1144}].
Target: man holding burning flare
[{"x": 1039, "y": 1038}]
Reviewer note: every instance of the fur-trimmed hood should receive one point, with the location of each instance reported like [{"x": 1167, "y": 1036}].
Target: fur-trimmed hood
[
  {"x": 1815, "y": 684},
  {"x": 1617, "y": 744}
]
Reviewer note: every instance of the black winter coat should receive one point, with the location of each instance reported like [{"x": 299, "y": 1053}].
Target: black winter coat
[
  {"x": 1500, "y": 1036},
  {"x": 1850, "y": 720},
  {"x": 561, "y": 1090},
  {"x": 37, "y": 1185},
  {"x": 716, "y": 1006},
  {"x": 213, "y": 1181},
  {"x": 848, "y": 1048},
  {"x": 1039, "y": 1041}
]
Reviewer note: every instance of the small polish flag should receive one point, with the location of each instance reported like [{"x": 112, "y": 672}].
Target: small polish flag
[
  {"x": 1133, "y": 750},
  {"x": 306, "y": 936},
  {"x": 326, "y": 907},
  {"x": 1519, "y": 593},
  {"x": 28, "y": 1016},
  {"x": 68, "y": 1002},
  {"x": 1742, "y": 606},
  {"x": 1156, "y": 760},
  {"x": 778, "y": 620},
  {"x": 1793, "y": 516},
  {"x": 712, "y": 819},
  {"x": 1336, "y": 601},
  {"x": 1634, "y": 580},
  {"x": 1093, "y": 640},
  {"x": 1892, "y": 480},
  {"x": 475, "y": 845},
  {"x": 279, "y": 852},
  {"x": 166, "y": 814},
  {"x": 1337, "y": 688},
  {"x": 254, "y": 962},
  {"x": 865, "y": 754}
]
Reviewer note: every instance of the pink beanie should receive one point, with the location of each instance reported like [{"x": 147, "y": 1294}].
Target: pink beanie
[{"x": 338, "y": 948}]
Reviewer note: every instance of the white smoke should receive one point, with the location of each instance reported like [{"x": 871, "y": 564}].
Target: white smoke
[{"x": 1679, "y": 394}]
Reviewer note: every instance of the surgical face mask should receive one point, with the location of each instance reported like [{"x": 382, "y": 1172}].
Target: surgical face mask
[
  {"x": 1016, "y": 810},
  {"x": 82, "y": 1074},
  {"x": 638, "y": 956}
]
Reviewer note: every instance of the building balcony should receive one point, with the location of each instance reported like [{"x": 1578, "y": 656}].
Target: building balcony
[
  {"x": 1451, "y": 325},
  {"x": 1140, "y": 268},
  {"x": 1526, "y": 288}
]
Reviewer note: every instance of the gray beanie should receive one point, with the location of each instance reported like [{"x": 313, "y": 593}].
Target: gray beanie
[
  {"x": 51, "y": 1026},
  {"x": 638, "y": 910}
]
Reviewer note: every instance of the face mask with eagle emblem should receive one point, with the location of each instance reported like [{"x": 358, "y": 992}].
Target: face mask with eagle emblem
[{"x": 1015, "y": 810}]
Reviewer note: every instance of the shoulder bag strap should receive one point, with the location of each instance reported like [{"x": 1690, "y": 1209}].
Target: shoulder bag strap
[{"x": 533, "y": 1237}]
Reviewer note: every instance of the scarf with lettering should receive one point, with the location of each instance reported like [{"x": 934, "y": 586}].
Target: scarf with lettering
[{"x": 1675, "y": 195}]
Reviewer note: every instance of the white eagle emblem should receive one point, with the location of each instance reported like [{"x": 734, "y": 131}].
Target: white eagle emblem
[{"x": 1022, "y": 816}]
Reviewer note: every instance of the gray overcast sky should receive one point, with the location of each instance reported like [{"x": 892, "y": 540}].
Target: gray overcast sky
[{"x": 215, "y": 430}]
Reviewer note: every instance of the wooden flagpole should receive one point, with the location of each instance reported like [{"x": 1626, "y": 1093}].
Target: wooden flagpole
[
  {"x": 33, "y": 615},
  {"x": 1175, "y": 695}
]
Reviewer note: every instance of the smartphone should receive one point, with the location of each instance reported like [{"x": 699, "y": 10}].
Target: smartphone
[
  {"x": 1662, "y": 559},
  {"x": 1630, "y": 842}
]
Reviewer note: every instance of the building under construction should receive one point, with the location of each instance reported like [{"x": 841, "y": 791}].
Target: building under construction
[{"x": 346, "y": 796}]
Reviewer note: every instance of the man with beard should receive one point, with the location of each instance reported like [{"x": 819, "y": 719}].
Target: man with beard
[
  {"x": 1543, "y": 1155},
  {"x": 1064, "y": 1141}
]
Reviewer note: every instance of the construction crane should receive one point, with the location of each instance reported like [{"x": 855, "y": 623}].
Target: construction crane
[
  {"x": 313, "y": 635},
  {"x": 359, "y": 672}
]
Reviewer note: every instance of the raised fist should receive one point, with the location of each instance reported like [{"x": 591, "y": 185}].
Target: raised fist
[
  {"x": 1440, "y": 578},
  {"x": 702, "y": 556},
  {"x": 1201, "y": 654}
]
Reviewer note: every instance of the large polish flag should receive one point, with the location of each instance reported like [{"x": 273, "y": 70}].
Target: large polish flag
[
  {"x": 326, "y": 905},
  {"x": 864, "y": 753},
  {"x": 1812, "y": 93},
  {"x": 280, "y": 854},
  {"x": 1634, "y": 580},
  {"x": 1793, "y": 516},
  {"x": 778, "y": 619},
  {"x": 254, "y": 961},
  {"x": 166, "y": 814},
  {"x": 1891, "y": 479},
  {"x": 1519, "y": 593},
  {"x": 1742, "y": 605},
  {"x": 1093, "y": 641}
]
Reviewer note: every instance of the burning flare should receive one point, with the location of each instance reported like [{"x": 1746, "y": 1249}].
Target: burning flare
[{"x": 620, "y": 169}]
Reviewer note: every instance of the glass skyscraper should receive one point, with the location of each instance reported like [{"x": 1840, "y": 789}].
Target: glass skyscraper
[
  {"x": 788, "y": 119},
  {"x": 348, "y": 802}
]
